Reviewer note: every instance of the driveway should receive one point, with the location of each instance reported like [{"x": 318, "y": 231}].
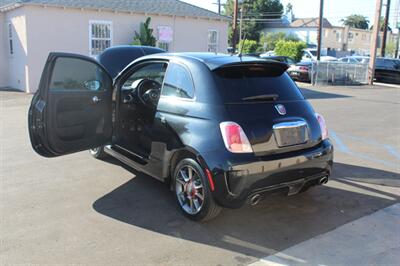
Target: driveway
[{"x": 78, "y": 210}]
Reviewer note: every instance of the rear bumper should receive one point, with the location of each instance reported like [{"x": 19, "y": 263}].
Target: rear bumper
[{"x": 239, "y": 176}]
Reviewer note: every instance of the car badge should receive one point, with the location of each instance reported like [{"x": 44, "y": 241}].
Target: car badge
[{"x": 281, "y": 109}]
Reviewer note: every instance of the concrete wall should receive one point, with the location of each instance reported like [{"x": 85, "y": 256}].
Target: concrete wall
[
  {"x": 67, "y": 30},
  {"x": 3, "y": 52}
]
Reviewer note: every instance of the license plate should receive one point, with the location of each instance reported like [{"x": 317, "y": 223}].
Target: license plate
[
  {"x": 295, "y": 73},
  {"x": 291, "y": 133}
]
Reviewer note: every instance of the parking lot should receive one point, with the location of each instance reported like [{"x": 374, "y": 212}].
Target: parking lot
[{"x": 78, "y": 210}]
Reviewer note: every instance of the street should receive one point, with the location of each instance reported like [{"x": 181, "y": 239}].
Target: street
[{"x": 78, "y": 210}]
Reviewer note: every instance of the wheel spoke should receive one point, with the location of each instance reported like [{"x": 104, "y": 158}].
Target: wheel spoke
[
  {"x": 181, "y": 181},
  {"x": 181, "y": 195},
  {"x": 199, "y": 196},
  {"x": 196, "y": 204},
  {"x": 198, "y": 186},
  {"x": 192, "y": 205},
  {"x": 184, "y": 175},
  {"x": 190, "y": 171}
]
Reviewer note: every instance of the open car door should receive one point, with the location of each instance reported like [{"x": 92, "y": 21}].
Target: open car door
[{"x": 72, "y": 110}]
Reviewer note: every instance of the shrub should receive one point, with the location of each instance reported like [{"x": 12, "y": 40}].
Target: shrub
[
  {"x": 249, "y": 46},
  {"x": 269, "y": 40},
  {"x": 290, "y": 48},
  {"x": 145, "y": 34}
]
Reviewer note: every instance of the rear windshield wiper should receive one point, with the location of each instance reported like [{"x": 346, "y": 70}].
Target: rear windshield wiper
[{"x": 262, "y": 98}]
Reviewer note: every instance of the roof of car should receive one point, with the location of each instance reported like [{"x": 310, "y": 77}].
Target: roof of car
[{"x": 213, "y": 60}]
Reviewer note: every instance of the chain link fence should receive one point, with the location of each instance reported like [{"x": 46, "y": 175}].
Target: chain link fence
[{"x": 339, "y": 73}]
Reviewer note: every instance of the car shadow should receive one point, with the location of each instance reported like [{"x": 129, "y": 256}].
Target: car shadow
[
  {"x": 273, "y": 225},
  {"x": 312, "y": 94}
]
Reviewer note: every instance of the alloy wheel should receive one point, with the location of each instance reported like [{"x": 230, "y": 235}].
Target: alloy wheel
[{"x": 189, "y": 190}]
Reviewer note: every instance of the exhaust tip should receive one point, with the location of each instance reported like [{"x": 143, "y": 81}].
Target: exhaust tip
[
  {"x": 255, "y": 199},
  {"x": 323, "y": 180}
]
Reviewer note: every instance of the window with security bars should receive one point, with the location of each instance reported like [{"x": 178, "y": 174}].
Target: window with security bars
[
  {"x": 10, "y": 38},
  {"x": 212, "y": 41},
  {"x": 100, "y": 36}
]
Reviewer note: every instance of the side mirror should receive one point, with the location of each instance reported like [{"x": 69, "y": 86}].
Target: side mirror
[{"x": 92, "y": 85}]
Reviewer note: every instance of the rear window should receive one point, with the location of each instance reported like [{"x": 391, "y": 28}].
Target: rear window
[{"x": 237, "y": 83}]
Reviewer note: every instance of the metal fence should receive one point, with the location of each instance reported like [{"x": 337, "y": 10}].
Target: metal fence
[{"x": 339, "y": 73}]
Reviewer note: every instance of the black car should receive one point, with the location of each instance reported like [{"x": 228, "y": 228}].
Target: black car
[
  {"x": 284, "y": 59},
  {"x": 220, "y": 130},
  {"x": 387, "y": 70},
  {"x": 301, "y": 71}
]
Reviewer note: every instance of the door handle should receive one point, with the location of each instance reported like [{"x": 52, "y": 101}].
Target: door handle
[{"x": 96, "y": 99}]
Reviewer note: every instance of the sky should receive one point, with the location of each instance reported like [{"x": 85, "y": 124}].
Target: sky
[{"x": 334, "y": 10}]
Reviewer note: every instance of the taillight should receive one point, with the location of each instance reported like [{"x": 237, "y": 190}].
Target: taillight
[
  {"x": 303, "y": 68},
  {"x": 234, "y": 137},
  {"x": 322, "y": 125}
]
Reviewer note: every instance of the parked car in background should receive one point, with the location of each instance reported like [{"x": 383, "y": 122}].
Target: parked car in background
[
  {"x": 283, "y": 59},
  {"x": 387, "y": 70},
  {"x": 268, "y": 53},
  {"x": 221, "y": 130},
  {"x": 349, "y": 60},
  {"x": 310, "y": 55},
  {"x": 301, "y": 71}
]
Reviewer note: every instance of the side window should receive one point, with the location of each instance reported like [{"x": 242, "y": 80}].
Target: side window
[
  {"x": 290, "y": 61},
  {"x": 152, "y": 71},
  {"x": 78, "y": 74},
  {"x": 178, "y": 82}
]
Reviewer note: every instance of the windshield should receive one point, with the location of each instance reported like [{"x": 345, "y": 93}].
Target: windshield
[
  {"x": 314, "y": 53},
  {"x": 240, "y": 83}
]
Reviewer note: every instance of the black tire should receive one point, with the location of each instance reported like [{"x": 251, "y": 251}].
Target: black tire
[
  {"x": 98, "y": 153},
  {"x": 209, "y": 208}
]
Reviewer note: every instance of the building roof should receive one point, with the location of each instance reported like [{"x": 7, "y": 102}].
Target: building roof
[
  {"x": 310, "y": 23},
  {"x": 163, "y": 7}
]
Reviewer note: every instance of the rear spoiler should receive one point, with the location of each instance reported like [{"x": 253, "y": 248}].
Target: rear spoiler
[{"x": 268, "y": 67}]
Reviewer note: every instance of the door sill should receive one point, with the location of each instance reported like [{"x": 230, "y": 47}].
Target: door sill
[{"x": 137, "y": 164}]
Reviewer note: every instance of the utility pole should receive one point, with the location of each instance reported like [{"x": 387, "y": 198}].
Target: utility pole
[
  {"x": 234, "y": 27},
  {"x": 374, "y": 42},
  {"x": 219, "y": 7},
  {"x": 241, "y": 22},
  {"x": 397, "y": 25},
  {"x": 385, "y": 29},
  {"x": 320, "y": 25}
]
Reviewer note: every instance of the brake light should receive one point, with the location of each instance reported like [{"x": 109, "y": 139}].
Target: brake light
[
  {"x": 234, "y": 137},
  {"x": 322, "y": 125},
  {"x": 303, "y": 68}
]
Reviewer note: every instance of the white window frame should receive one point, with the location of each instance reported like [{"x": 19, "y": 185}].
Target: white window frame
[
  {"x": 164, "y": 43},
  {"x": 103, "y": 22},
  {"x": 216, "y": 43},
  {"x": 10, "y": 38}
]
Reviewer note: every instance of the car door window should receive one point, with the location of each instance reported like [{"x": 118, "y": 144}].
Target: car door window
[
  {"x": 153, "y": 71},
  {"x": 178, "y": 82},
  {"x": 76, "y": 74}
]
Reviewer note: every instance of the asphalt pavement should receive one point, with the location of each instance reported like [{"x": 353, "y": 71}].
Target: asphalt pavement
[{"x": 78, "y": 210}]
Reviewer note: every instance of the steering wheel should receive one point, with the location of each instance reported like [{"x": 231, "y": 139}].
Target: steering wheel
[{"x": 148, "y": 92}]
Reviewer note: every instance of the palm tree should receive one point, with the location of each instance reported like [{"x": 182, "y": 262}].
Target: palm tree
[
  {"x": 356, "y": 21},
  {"x": 145, "y": 36}
]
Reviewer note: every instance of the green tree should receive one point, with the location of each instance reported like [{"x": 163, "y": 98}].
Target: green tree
[
  {"x": 268, "y": 40},
  {"x": 145, "y": 35},
  {"x": 391, "y": 48},
  {"x": 382, "y": 25},
  {"x": 253, "y": 13},
  {"x": 249, "y": 46},
  {"x": 356, "y": 21},
  {"x": 290, "y": 48}
]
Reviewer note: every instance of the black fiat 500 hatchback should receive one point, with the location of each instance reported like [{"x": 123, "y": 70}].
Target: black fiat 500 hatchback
[{"x": 221, "y": 130}]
